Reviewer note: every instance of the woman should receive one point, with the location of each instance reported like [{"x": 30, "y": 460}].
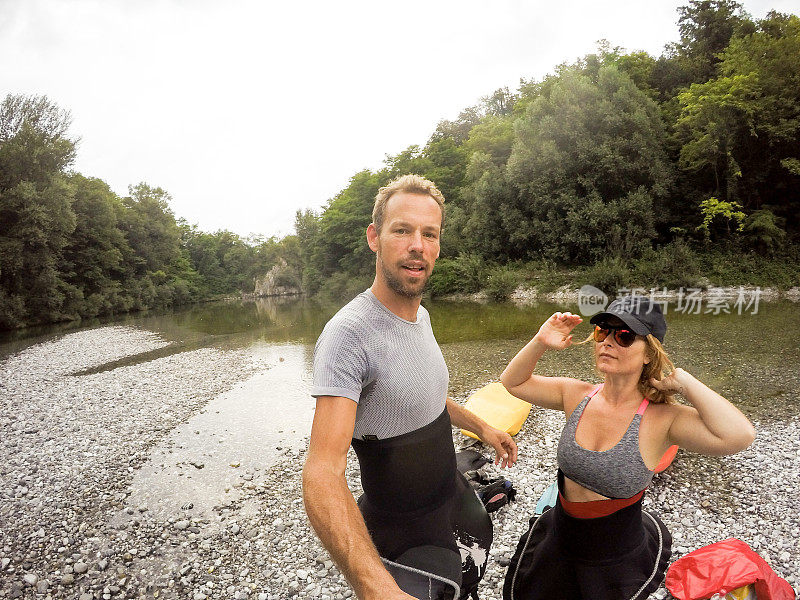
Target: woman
[{"x": 597, "y": 542}]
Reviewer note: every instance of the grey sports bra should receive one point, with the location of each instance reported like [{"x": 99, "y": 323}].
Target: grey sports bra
[{"x": 618, "y": 472}]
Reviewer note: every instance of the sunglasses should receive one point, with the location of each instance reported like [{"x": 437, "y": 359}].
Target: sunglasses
[{"x": 624, "y": 337}]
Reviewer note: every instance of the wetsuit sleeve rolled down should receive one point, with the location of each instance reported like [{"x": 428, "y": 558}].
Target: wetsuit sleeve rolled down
[{"x": 340, "y": 364}]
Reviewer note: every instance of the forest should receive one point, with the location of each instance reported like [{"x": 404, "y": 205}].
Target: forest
[{"x": 618, "y": 169}]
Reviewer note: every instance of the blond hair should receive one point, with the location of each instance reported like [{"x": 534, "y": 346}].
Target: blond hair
[
  {"x": 410, "y": 184},
  {"x": 658, "y": 367}
]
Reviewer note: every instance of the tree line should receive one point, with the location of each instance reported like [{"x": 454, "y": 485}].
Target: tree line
[
  {"x": 71, "y": 248},
  {"x": 618, "y": 161}
]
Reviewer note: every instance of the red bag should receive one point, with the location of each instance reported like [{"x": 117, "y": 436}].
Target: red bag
[{"x": 721, "y": 567}]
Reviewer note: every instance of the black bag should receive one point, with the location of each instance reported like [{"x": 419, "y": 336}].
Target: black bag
[{"x": 494, "y": 493}]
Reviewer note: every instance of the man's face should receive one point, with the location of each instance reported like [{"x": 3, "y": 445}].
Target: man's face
[{"x": 408, "y": 244}]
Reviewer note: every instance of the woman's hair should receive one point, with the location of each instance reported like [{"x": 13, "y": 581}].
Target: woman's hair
[{"x": 659, "y": 367}]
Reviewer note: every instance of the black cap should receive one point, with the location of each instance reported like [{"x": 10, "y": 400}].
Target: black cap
[{"x": 638, "y": 313}]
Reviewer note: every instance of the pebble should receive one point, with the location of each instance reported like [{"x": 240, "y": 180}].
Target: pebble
[
  {"x": 76, "y": 511},
  {"x": 30, "y": 578}
]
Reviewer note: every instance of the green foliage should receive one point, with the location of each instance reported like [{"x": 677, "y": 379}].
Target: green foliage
[
  {"x": 792, "y": 165},
  {"x": 585, "y": 150},
  {"x": 706, "y": 27},
  {"x": 602, "y": 163},
  {"x": 35, "y": 209},
  {"x": 445, "y": 279},
  {"x": 501, "y": 282},
  {"x": 493, "y": 136},
  {"x": 465, "y": 274},
  {"x": 608, "y": 274},
  {"x": 673, "y": 266},
  {"x": 738, "y": 131},
  {"x": 341, "y": 241},
  {"x": 736, "y": 267},
  {"x": 714, "y": 115},
  {"x": 340, "y": 287},
  {"x": 713, "y": 209},
  {"x": 478, "y": 225},
  {"x": 639, "y": 66},
  {"x": 545, "y": 275},
  {"x": 763, "y": 231}
]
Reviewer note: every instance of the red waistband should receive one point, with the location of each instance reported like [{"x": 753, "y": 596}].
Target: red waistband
[{"x": 596, "y": 508}]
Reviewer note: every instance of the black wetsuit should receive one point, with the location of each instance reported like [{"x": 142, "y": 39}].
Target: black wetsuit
[{"x": 419, "y": 508}]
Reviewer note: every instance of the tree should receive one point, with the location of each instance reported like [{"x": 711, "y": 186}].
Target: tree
[
  {"x": 306, "y": 226},
  {"x": 35, "y": 209},
  {"x": 717, "y": 210},
  {"x": 92, "y": 260},
  {"x": 459, "y": 129},
  {"x": 585, "y": 149},
  {"x": 706, "y": 27},
  {"x": 767, "y": 152},
  {"x": 341, "y": 242},
  {"x": 479, "y": 227},
  {"x": 446, "y": 166},
  {"x": 741, "y": 127},
  {"x": 151, "y": 229},
  {"x": 713, "y": 116},
  {"x": 494, "y": 136}
]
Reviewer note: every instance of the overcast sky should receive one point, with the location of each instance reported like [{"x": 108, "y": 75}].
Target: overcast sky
[{"x": 245, "y": 111}]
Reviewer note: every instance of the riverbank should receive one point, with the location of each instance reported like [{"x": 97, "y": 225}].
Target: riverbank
[
  {"x": 569, "y": 294},
  {"x": 676, "y": 266},
  {"x": 72, "y": 526}
]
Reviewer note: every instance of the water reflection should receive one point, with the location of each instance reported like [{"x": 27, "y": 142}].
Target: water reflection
[
  {"x": 752, "y": 358},
  {"x": 226, "y": 448}
]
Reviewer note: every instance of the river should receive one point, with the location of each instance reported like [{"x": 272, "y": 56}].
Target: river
[
  {"x": 754, "y": 359},
  {"x": 232, "y": 458}
]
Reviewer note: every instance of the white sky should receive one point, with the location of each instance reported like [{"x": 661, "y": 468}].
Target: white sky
[{"x": 246, "y": 110}]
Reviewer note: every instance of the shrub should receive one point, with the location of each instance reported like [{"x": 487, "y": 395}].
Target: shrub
[
  {"x": 609, "y": 275},
  {"x": 445, "y": 279},
  {"x": 502, "y": 282},
  {"x": 465, "y": 274},
  {"x": 763, "y": 231},
  {"x": 343, "y": 286},
  {"x": 544, "y": 274},
  {"x": 674, "y": 266}
]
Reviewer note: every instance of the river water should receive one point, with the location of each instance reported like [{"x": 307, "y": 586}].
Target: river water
[{"x": 752, "y": 359}]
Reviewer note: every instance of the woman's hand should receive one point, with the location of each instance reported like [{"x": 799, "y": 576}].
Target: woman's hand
[
  {"x": 674, "y": 382},
  {"x": 555, "y": 332}
]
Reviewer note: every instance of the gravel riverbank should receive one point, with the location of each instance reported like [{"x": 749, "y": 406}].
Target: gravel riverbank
[{"x": 71, "y": 446}]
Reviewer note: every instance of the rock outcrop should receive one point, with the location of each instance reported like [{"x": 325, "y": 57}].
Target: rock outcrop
[{"x": 279, "y": 281}]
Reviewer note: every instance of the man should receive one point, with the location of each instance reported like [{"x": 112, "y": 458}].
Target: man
[{"x": 381, "y": 384}]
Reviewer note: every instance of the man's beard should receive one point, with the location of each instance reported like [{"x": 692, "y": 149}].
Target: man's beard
[{"x": 398, "y": 287}]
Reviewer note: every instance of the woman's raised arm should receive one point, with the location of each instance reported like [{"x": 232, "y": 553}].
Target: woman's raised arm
[
  {"x": 518, "y": 377},
  {"x": 712, "y": 425}
]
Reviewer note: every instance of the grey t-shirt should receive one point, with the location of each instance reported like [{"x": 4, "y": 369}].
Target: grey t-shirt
[{"x": 391, "y": 367}]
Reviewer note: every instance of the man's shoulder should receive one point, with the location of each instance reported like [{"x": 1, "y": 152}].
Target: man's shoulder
[
  {"x": 352, "y": 317},
  {"x": 423, "y": 313}
]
